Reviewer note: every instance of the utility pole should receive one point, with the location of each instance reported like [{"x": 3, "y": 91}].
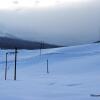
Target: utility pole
[
  {"x": 15, "y": 53},
  {"x": 47, "y": 67},
  {"x": 15, "y": 63},
  {"x": 41, "y": 47},
  {"x": 6, "y": 67}
]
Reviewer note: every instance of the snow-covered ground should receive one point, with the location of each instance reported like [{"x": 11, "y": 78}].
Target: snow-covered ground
[{"x": 74, "y": 74}]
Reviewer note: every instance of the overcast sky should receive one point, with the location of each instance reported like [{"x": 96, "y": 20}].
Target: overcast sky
[{"x": 61, "y": 22}]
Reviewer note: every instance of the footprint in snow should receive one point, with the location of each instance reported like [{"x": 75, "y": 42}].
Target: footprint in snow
[
  {"x": 53, "y": 83},
  {"x": 74, "y": 84},
  {"x": 95, "y": 95}
]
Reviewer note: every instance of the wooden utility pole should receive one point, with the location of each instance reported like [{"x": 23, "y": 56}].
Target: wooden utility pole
[
  {"x": 47, "y": 67},
  {"x": 6, "y": 67},
  {"x": 15, "y": 63},
  {"x": 41, "y": 47}
]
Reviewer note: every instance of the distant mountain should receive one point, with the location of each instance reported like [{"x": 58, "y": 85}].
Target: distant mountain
[
  {"x": 2, "y": 34},
  {"x": 97, "y": 41},
  {"x": 10, "y": 42}
]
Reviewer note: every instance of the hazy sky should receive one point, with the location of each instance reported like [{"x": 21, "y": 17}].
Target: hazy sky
[{"x": 61, "y": 22}]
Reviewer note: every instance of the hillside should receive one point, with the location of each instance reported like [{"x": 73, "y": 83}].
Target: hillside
[
  {"x": 12, "y": 43},
  {"x": 74, "y": 74}
]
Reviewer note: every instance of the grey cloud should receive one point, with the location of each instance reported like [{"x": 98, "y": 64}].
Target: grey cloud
[{"x": 63, "y": 25}]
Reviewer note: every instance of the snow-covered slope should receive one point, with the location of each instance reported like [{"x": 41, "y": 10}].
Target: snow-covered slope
[{"x": 73, "y": 74}]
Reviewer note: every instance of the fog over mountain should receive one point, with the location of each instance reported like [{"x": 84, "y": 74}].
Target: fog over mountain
[{"x": 62, "y": 25}]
